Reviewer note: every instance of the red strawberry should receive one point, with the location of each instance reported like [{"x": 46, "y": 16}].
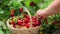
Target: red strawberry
[
  {"x": 32, "y": 4},
  {"x": 34, "y": 19},
  {"x": 40, "y": 18},
  {"x": 26, "y": 20},
  {"x": 23, "y": 24},
  {"x": 20, "y": 22},
  {"x": 12, "y": 22},
  {"x": 26, "y": 16},
  {"x": 36, "y": 23},
  {"x": 12, "y": 13},
  {"x": 21, "y": 10},
  {"x": 14, "y": 26},
  {"x": 27, "y": 25}
]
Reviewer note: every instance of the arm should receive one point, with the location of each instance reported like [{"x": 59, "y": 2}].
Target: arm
[{"x": 54, "y": 8}]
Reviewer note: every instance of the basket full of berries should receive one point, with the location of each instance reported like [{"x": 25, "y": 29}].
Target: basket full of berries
[{"x": 24, "y": 25}]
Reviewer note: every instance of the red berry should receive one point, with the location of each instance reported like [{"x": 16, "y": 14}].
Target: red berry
[
  {"x": 12, "y": 13},
  {"x": 13, "y": 22},
  {"x": 40, "y": 18},
  {"x": 26, "y": 20},
  {"x": 34, "y": 19},
  {"x": 23, "y": 24},
  {"x": 32, "y": 4},
  {"x": 20, "y": 22},
  {"x": 26, "y": 16},
  {"x": 14, "y": 26},
  {"x": 21, "y": 10},
  {"x": 27, "y": 25},
  {"x": 36, "y": 23}
]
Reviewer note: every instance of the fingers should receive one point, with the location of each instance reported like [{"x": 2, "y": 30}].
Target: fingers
[{"x": 41, "y": 14}]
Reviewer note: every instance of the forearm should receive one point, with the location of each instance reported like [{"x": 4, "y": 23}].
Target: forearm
[{"x": 54, "y": 8}]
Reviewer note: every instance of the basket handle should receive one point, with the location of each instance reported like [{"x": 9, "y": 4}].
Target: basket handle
[{"x": 26, "y": 10}]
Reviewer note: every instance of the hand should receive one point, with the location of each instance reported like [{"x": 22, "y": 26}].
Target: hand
[{"x": 41, "y": 13}]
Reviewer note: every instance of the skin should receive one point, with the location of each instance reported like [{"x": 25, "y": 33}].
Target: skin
[{"x": 54, "y": 8}]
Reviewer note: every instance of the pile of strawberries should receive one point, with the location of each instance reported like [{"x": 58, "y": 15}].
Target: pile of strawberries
[{"x": 18, "y": 22}]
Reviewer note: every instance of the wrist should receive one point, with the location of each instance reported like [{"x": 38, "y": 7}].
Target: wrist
[{"x": 46, "y": 12}]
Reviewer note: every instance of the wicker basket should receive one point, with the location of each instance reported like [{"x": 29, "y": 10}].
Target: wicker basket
[{"x": 23, "y": 30}]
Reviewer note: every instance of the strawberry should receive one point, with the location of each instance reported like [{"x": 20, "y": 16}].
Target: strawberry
[
  {"x": 26, "y": 20},
  {"x": 27, "y": 25},
  {"x": 32, "y": 3},
  {"x": 12, "y": 22},
  {"x": 12, "y": 13},
  {"x": 21, "y": 10},
  {"x": 36, "y": 23},
  {"x": 20, "y": 22},
  {"x": 23, "y": 24},
  {"x": 40, "y": 18},
  {"x": 34, "y": 19},
  {"x": 26, "y": 16},
  {"x": 14, "y": 26}
]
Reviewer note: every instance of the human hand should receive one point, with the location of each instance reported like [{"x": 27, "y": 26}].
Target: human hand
[{"x": 41, "y": 14}]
